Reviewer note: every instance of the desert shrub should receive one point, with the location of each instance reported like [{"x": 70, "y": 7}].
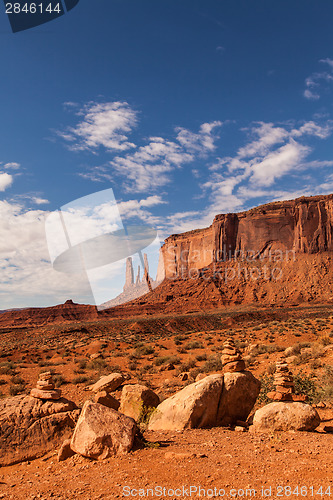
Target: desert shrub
[
  {"x": 186, "y": 366},
  {"x": 15, "y": 389},
  {"x": 98, "y": 364},
  {"x": 143, "y": 350},
  {"x": 17, "y": 380},
  {"x": 59, "y": 380},
  {"x": 266, "y": 387},
  {"x": 162, "y": 360},
  {"x": 81, "y": 379},
  {"x": 132, "y": 365},
  {"x": 326, "y": 391},
  {"x": 305, "y": 384},
  {"x": 7, "y": 368},
  {"x": 201, "y": 357},
  {"x": 212, "y": 364},
  {"x": 82, "y": 363},
  {"x": 193, "y": 344}
]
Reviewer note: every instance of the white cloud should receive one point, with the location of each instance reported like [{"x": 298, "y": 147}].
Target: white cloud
[
  {"x": 12, "y": 165},
  {"x": 6, "y": 180},
  {"x": 314, "y": 82},
  {"x": 202, "y": 142},
  {"x": 278, "y": 164},
  {"x": 27, "y": 277},
  {"x": 102, "y": 124}
]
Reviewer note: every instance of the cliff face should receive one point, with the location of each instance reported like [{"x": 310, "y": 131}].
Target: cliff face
[{"x": 276, "y": 231}]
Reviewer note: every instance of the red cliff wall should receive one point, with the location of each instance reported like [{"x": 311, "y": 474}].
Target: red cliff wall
[{"x": 303, "y": 225}]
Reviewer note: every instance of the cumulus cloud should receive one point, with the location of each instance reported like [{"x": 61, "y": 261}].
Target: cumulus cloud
[
  {"x": 150, "y": 166},
  {"x": 25, "y": 265},
  {"x": 102, "y": 124},
  {"x": 6, "y": 180}
]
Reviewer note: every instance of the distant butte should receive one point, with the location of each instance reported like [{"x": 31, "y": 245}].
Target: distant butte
[{"x": 278, "y": 254}]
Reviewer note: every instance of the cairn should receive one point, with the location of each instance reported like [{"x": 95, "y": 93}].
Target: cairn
[
  {"x": 284, "y": 384},
  {"x": 231, "y": 357},
  {"x": 45, "y": 388}
]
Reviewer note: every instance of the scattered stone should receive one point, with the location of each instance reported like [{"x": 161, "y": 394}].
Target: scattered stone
[
  {"x": 238, "y": 428},
  {"x": 286, "y": 416},
  {"x": 178, "y": 456},
  {"x": 239, "y": 394},
  {"x": 108, "y": 383},
  {"x": 328, "y": 428},
  {"x": 104, "y": 398},
  {"x": 231, "y": 357},
  {"x": 184, "y": 376},
  {"x": 31, "y": 427},
  {"x": 45, "y": 388},
  {"x": 102, "y": 432},
  {"x": 136, "y": 399},
  {"x": 65, "y": 451},
  {"x": 321, "y": 404}
]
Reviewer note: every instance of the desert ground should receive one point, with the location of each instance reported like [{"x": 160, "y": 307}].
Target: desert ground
[{"x": 167, "y": 352}]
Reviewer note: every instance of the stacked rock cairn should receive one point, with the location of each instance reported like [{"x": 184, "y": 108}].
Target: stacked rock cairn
[
  {"x": 45, "y": 388},
  {"x": 284, "y": 384},
  {"x": 231, "y": 357}
]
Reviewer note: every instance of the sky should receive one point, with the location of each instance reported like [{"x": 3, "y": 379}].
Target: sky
[{"x": 183, "y": 108}]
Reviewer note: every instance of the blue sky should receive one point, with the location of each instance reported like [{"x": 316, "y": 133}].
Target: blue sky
[{"x": 186, "y": 109}]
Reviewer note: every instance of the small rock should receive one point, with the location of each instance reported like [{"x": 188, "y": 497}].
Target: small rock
[
  {"x": 65, "y": 451},
  {"x": 108, "y": 383}
]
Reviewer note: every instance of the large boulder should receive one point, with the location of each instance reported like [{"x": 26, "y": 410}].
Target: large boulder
[
  {"x": 286, "y": 416},
  {"x": 102, "y": 432},
  {"x": 195, "y": 406},
  {"x": 30, "y": 427},
  {"x": 136, "y": 400},
  {"x": 239, "y": 394},
  {"x": 108, "y": 383}
]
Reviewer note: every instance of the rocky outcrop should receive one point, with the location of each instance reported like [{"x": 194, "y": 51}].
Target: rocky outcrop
[
  {"x": 102, "y": 432},
  {"x": 304, "y": 225},
  {"x": 195, "y": 406},
  {"x": 30, "y": 427},
  {"x": 45, "y": 315},
  {"x": 137, "y": 400},
  {"x": 216, "y": 400},
  {"x": 239, "y": 394},
  {"x": 286, "y": 416}
]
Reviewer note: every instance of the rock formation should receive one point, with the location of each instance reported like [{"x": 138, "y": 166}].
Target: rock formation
[
  {"x": 284, "y": 384},
  {"x": 137, "y": 400},
  {"x": 285, "y": 417},
  {"x": 108, "y": 383},
  {"x": 45, "y": 388},
  {"x": 31, "y": 427},
  {"x": 102, "y": 432},
  {"x": 216, "y": 400},
  {"x": 277, "y": 229},
  {"x": 231, "y": 357}
]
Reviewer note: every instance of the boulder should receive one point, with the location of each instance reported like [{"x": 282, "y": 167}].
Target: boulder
[
  {"x": 286, "y": 416},
  {"x": 136, "y": 399},
  {"x": 195, "y": 406},
  {"x": 239, "y": 394},
  {"x": 65, "y": 451},
  {"x": 30, "y": 427},
  {"x": 108, "y": 383},
  {"x": 102, "y": 432},
  {"x": 104, "y": 398}
]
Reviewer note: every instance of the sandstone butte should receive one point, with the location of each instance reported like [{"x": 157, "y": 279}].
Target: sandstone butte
[
  {"x": 291, "y": 238},
  {"x": 303, "y": 225}
]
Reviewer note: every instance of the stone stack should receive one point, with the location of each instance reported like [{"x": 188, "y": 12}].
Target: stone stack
[
  {"x": 284, "y": 384},
  {"x": 231, "y": 357},
  {"x": 45, "y": 388}
]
